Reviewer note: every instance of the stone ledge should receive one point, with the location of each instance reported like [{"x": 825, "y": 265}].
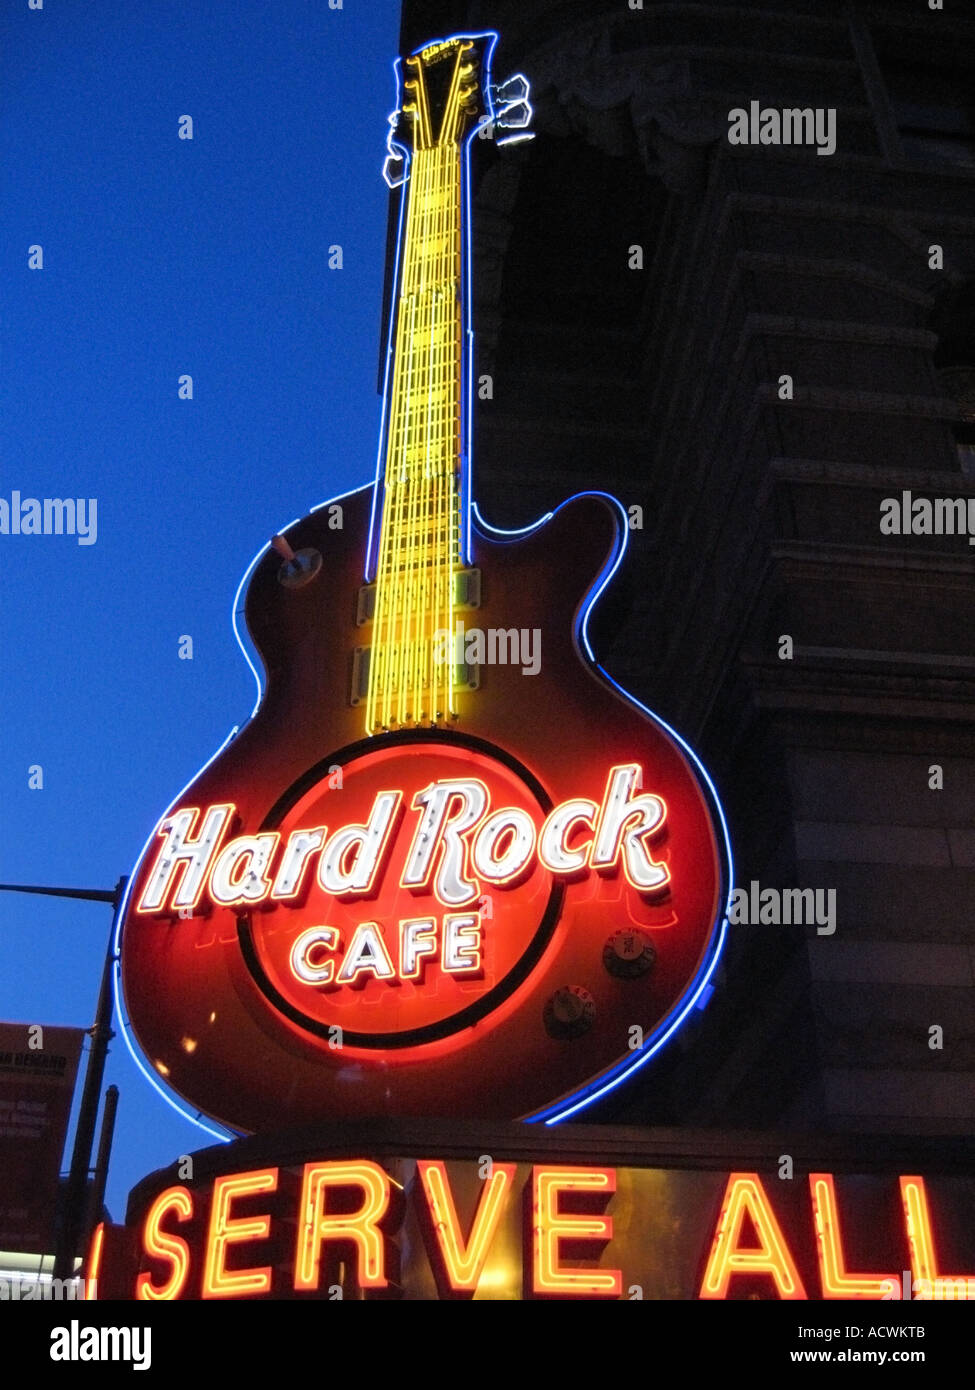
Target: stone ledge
[
  {"x": 948, "y": 1095},
  {"x": 889, "y": 962}
]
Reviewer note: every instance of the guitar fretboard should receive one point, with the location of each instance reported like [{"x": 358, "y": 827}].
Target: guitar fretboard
[{"x": 410, "y": 682}]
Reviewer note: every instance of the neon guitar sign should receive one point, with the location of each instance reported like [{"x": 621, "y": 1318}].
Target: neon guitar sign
[{"x": 417, "y": 883}]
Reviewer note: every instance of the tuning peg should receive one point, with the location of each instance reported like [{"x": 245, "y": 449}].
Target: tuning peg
[
  {"x": 515, "y": 89},
  {"x": 394, "y": 170},
  {"x": 514, "y": 117},
  {"x": 513, "y": 110},
  {"x": 396, "y": 164}
]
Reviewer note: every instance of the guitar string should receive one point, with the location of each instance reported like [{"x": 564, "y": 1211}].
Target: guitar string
[
  {"x": 402, "y": 579},
  {"x": 445, "y": 577},
  {"x": 387, "y": 594},
  {"x": 398, "y": 579},
  {"x": 433, "y": 436},
  {"x": 431, "y": 489},
  {"x": 456, "y": 393},
  {"x": 410, "y": 496},
  {"x": 379, "y": 658},
  {"x": 431, "y": 573},
  {"x": 380, "y": 617},
  {"x": 445, "y": 476},
  {"x": 421, "y": 453},
  {"x": 403, "y": 433},
  {"x": 450, "y": 407},
  {"x": 443, "y": 466},
  {"x": 419, "y": 646},
  {"x": 431, "y": 385},
  {"x": 423, "y": 648}
]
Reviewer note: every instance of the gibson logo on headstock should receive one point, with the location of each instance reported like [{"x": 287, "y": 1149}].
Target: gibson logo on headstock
[{"x": 438, "y": 51}]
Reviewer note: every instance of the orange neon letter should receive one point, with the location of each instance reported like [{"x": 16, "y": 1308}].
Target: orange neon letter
[
  {"x": 160, "y": 1246},
  {"x": 928, "y": 1283},
  {"x": 550, "y": 1225},
  {"x": 218, "y": 1281},
  {"x": 829, "y": 1249},
  {"x": 463, "y": 1264},
  {"x": 745, "y": 1193},
  {"x": 94, "y": 1262},
  {"x": 361, "y": 1227}
]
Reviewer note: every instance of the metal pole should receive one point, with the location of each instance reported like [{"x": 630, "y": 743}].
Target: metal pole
[
  {"x": 97, "y": 1198},
  {"x": 75, "y": 1196},
  {"x": 92, "y": 895}
]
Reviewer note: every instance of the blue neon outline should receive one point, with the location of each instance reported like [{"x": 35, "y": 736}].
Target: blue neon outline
[{"x": 616, "y": 1075}]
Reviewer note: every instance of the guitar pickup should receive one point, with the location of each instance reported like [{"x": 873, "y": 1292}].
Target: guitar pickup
[
  {"x": 467, "y": 590},
  {"x": 360, "y": 671},
  {"x": 467, "y": 675},
  {"x": 365, "y": 604},
  {"x": 467, "y": 594}
]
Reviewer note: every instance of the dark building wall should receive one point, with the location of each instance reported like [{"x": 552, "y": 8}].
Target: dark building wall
[{"x": 761, "y": 514}]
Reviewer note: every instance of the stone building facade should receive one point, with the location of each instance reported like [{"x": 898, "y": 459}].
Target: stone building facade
[{"x": 758, "y": 345}]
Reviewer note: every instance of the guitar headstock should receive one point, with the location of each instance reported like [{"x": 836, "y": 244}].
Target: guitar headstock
[{"x": 445, "y": 95}]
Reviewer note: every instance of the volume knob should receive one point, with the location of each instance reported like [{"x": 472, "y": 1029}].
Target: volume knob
[
  {"x": 569, "y": 1012},
  {"x": 629, "y": 954}
]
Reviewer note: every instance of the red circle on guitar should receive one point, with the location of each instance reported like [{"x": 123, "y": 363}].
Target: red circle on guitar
[{"x": 390, "y": 932}]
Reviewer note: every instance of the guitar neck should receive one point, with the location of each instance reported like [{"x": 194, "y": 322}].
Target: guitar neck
[{"x": 420, "y": 538}]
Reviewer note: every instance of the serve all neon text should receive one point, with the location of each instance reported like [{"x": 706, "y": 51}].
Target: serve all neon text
[{"x": 280, "y": 1232}]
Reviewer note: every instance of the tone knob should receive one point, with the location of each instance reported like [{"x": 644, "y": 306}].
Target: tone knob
[
  {"x": 569, "y": 1013},
  {"x": 300, "y": 566},
  {"x": 629, "y": 954}
]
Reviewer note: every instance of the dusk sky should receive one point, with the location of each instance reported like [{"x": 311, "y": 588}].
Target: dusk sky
[{"x": 163, "y": 257}]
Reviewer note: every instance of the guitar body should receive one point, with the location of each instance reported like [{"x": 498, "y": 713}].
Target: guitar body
[
  {"x": 220, "y": 1030},
  {"x": 448, "y": 867}
]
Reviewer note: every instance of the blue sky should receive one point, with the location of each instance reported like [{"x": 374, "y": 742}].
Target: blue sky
[{"x": 161, "y": 257}]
